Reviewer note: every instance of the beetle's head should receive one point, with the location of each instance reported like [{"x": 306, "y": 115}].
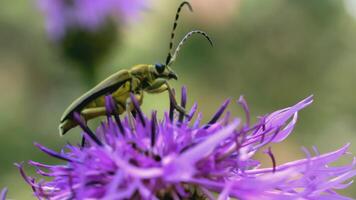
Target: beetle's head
[{"x": 164, "y": 71}]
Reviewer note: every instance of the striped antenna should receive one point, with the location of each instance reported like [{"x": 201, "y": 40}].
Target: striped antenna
[
  {"x": 169, "y": 56},
  {"x": 185, "y": 39}
]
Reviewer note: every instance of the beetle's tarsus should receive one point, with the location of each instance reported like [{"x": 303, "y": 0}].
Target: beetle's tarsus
[{"x": 181, "y": 110}]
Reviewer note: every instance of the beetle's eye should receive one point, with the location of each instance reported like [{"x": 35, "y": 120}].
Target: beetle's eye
[{"x": 160, "y": 68}]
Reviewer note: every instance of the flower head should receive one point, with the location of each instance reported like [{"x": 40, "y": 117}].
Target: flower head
[
  {"x": 62, "y": 15},
  {"x": 177, "y": 158}
]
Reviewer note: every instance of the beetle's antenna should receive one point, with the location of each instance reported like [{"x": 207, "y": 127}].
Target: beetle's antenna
[
  {"x": 185, "y": 39},
  {"x": 169, "y": 56}
]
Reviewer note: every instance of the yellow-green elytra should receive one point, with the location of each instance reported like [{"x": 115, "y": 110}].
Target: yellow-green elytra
[{"x": 136, "y": 80}]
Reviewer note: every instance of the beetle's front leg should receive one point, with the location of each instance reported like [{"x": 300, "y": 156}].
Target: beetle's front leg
[
  {"x": 161, "y": 85},
  {"x": 174, "y": 101}
]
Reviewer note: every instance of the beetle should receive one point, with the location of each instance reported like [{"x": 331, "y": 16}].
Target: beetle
[{"x": 149, "y": 78}]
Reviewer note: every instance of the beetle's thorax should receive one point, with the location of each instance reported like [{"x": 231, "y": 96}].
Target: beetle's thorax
[{"x": 141, "y": 71}]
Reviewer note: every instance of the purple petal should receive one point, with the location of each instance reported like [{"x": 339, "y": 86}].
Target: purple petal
[
  {"x": 322, "y": 160},
  {"x": 138, "y": 172},
  {"x": 153, "y": 128},
  {"x": 192, "y": 111},
  {"x": 86, "y": 129},
  {"x": 278, "y": 118},
  {"x": 109, "y": 104},
  {"x": 224, "y": 195},
  {"x": 183, "y": 103},
  {"x": 218, "y": 113},
  {"x": 182, "y": 167},
  {"x": 171, "y": 105},
  {"x": 138, "y": 109},
  {"x": 3, "y": 194},
  {"x": 333, "y": 183},
  {"x": 54, "y": 154},
  {"x": 269, "y": 152},
  {"x": 244, "y": 105},
  {"x": 283, "y": 134}
]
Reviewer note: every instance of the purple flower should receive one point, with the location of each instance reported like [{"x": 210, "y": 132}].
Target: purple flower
[
  {"x": 178, "y": 158},
  {"x": 62, "y": 15},
  {"x": 3, "y": 194}
]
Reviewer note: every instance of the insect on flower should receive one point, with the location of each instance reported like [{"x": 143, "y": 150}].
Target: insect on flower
[{"x": 125, "y": 83}]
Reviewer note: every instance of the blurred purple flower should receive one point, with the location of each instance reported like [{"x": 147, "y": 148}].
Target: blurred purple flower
[
  {"x": 181, "y": 159},
  {"x": 62, "y": 15},
  {"x": 3, "y": 194}
]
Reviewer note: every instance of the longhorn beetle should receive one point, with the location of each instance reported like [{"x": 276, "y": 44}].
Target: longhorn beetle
[{"x": 136, "y": 80}]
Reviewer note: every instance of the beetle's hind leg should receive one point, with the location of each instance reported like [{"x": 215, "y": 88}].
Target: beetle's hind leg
[
  {"x": 129, "y": 114},
  {"x": 130, "y": 108},
  {"x": 87, "y": 114},
  {"x": 90, "y": 113}
]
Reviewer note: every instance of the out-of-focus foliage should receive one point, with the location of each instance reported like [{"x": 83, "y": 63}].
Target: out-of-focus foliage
[
  {"x": 85, "y": 31},
  {"x": 275, "y": 52}
]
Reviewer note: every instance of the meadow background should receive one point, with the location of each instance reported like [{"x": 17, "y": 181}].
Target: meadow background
[{"x": 274, "y": 52}]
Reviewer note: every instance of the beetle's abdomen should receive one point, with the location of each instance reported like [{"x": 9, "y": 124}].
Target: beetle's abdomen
[{"x": 121, "y": 95}]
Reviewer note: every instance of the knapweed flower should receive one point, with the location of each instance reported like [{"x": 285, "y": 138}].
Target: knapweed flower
[
  {"x": 63, "y": 15},
  {"x": 181, "y": 158}
]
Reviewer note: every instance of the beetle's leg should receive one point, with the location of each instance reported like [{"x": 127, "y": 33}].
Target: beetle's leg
[
  {"x": 90, "y": 113},
  {"x": 128, "y": 106},
  {"x": 129, "y": 114},
  {"x": 131, "y": 107},
  {"x": 172, "y": 97},
  {"x": 174, "y": 101},
  {"x": 156, "y": 84},
  {"x": 161, "y": 89},
  {"x": 134, "y": 83},
  {"x": 87, "y": 114},
  {"x": 160, "y": 85}
]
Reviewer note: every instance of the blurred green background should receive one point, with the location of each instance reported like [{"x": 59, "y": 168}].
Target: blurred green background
[{"x": 274, "y": 52}]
